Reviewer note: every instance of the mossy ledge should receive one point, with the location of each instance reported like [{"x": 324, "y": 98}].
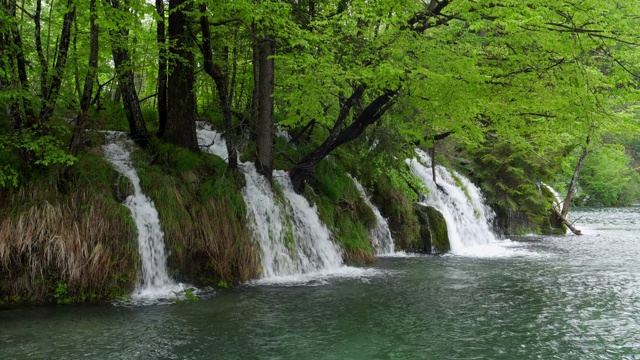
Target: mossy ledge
[
  {"x": 202, "y": 214},
  {"x": 433, "y": 229},
  {"x": 70, "y": 240},
  {"x": 67, "y": 244}
]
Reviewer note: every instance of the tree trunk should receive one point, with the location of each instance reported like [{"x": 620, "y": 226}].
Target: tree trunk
[
  {"x": 126, "y": 84},
  {"x": 44, "y": 66},
  {"x": 220, "y": 78},
  {"x": 181, "y": 121},
  {"x": 85, "y": 100},
  {"x": 566, "y": 222},
  {"x": 302, "y": 170},
  {"x": 162, "y": 69},
  {"x": 255, "y": 60},
  {"x": 53, "y": 88},
  {"x": 574, "y": 179},
  {"x": 13, "y": 41},
  {"x": 264, "y": 124},
  {"x": 7, "y": 78}
]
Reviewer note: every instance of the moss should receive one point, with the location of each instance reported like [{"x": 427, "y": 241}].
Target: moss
[
  {"x": 202, "y": 214},
  {"x": 438, "y": 228},
  {"x": 398, "y": 209},
  {"x": 341, "y": 208},
  {"x": 433, "y": 229}
]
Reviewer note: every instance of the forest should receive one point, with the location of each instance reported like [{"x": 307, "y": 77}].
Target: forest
[{"x": 512, "y": 94}]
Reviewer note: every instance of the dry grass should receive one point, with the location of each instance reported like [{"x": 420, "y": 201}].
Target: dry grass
[
  {"x": 202, "y": 214},
  {"x": 213, "y": 246},
  {"x": 82, "y": 239}
]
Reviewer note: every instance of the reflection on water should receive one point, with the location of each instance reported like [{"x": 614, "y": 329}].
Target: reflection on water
[{"x": 567, "y": 297}]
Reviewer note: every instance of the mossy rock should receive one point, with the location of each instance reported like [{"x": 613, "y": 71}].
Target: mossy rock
[
  {"x": 433, "y": 229},
  {"x": 439, "y": 231},
  {"x": 122, "y": 189},
  {"x": 397, "y": 209}
]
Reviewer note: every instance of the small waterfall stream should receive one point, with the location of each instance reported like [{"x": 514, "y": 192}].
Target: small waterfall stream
[
  {"x": 294, "y": 243},
  {"x": 559, "y": 199},
  {"x": 381, "y": 234},
  {"x": 463, "y": 207},
  {"x": 155, "y": 282}
]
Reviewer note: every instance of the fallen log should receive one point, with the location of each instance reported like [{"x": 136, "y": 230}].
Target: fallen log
[{"x": 566, "y": 222}]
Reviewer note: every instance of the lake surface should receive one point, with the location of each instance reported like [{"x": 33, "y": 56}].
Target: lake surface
[{"x": 565, "y": 297}]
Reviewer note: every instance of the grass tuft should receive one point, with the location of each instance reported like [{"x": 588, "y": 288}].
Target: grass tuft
[
  {"x": 202, "y": 214},
  {"x": 72, "y": 246}
]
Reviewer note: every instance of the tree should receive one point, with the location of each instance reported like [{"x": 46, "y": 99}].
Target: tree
[
  {"x": 85, "y": 100},
  {"x": 220, "y": 77},
  {"x": 181, "y": 129},
  {"x": 122, "y": 60},
  {"x": 162, "y": 68}
]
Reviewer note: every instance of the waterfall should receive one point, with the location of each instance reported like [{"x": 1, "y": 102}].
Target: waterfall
[
  {"x": 155, "y": 282},
  {"x": 462, "y": 206},
  {"x": 294, "y": 243},
  {"x": 381, "y": 234},
  {"x": 559, "y": 199}
]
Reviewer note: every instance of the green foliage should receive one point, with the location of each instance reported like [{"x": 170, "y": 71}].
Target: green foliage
[
  {"x": 189, "y": 295},
  {"x": 61, "y": 294},
  {"x": 43, "y": 145},
  {"x": 510, "y": 174},
  {"x": 606, "y": 179}
]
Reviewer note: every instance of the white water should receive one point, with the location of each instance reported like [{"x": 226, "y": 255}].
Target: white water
[
  {"x": 467, "y": 216},
  {"x": 295, "y": 246},
  {"x": 380, "y": 235},
  {"x": 559, "y": 199},
  {"x": 155, "y": 282}
]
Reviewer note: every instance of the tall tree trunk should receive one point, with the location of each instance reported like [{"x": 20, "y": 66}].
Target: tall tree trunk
[
  {"x": 181, "y": 124},
  {"x": 234, "y": 71},
  {"x": 126, "y": 82},
  {"x": 54, "y": 83},
  {"x": 219, "y": 76},
  {"x": 574, "y": 179},
  {"x": 255, "y": 59},
  {"x": 7, "y": 77},
  {"x": 18, "y": 63},
  {"x": 44, "y": 66},
  {"x": 162, "y": 69},
  {"x": 76, "y": 71},
  {"x": 264, "y": 124},
  {"x": 85, "y": 100},
  {"x": 369, "y": 115}
]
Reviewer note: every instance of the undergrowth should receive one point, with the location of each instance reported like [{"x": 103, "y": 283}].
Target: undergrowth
[
  {"x": 343, "y": 210},
  {"x": 202, "y": 214},
  {"x": 66, "y": 240}
]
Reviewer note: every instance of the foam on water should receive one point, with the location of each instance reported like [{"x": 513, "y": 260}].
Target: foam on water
[
  {"x": 321, "y": 277},
  {"x": 462, "y": 205},
  {"x": 154, "y": 282}
]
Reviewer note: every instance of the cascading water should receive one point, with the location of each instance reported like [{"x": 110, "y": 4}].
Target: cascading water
[
  {"x": 381, "y": 234},
  {"x": 559, "y": 199},
  {"x": 294, "y": 244},
  {"x": 462, "y": 206},
  {"x": 155, "y": 282}
]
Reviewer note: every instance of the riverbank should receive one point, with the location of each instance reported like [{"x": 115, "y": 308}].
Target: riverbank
[{"x": 555, "y": 296}]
